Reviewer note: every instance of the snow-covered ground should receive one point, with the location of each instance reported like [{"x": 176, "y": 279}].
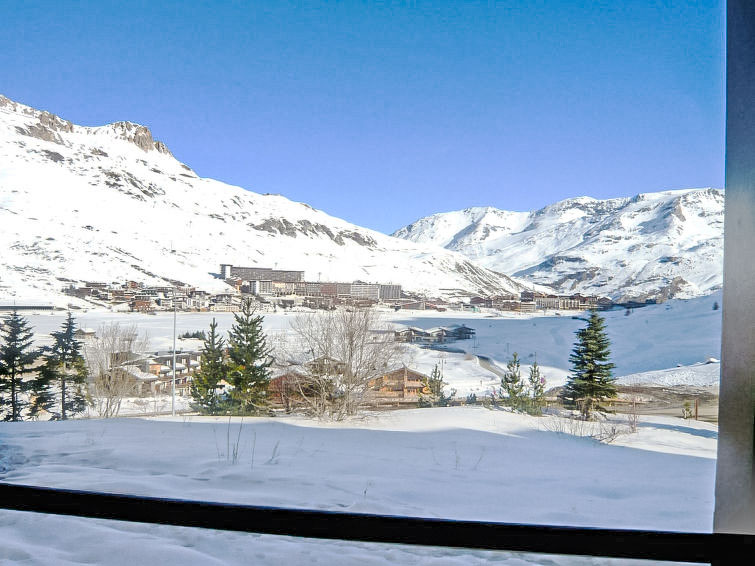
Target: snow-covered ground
[
  {"x": 460, "y": 462},
  {"x": 706, "y": 374}
]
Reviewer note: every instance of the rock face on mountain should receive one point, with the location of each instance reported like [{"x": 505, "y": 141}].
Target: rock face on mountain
[
  {"x": 655, "y": 245},
  {"x": 110, "y": 203}
]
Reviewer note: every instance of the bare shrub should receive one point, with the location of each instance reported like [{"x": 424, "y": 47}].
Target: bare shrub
[
  {"x": 601, "y": 429},
  {"x": 345, "y": 349},
  {"x": 107, "y": 357}
]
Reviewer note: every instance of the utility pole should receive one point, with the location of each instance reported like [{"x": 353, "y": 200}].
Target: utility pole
[{"x": 173, "y": 385}]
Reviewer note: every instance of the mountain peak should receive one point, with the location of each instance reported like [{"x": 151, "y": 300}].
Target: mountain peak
[
  {"x": 48, "y": 127},
  {"x": 653, "y": 245},
  {"x": 84, "y": 204},
  {"x": 139, "y": 135}
]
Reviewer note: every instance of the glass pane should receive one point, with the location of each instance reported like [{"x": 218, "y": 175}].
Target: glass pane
[{"x": 499, "y": 299}]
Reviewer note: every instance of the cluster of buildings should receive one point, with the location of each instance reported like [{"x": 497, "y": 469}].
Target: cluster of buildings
[
  {"x": 289, "y": 288},
  {"x": 531, "y": 301},
  {"x": 153, "y": 374},
  {"x": 135, "y": 296}
]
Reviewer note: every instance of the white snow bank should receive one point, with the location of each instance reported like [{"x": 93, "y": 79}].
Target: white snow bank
[{"x": 697, "y": 375}]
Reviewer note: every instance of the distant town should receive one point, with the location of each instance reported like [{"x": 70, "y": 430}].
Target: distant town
[{"x": 275, "y": 289}]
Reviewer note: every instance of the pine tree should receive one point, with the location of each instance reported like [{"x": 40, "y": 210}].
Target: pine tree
[
  {"x": 513, "y": 391},
  {"x": 434, "y": 395},
  {"x": 213, "y": 369},
  {"x": 249, "y": 361},
  {"x": 16, "y": 355},
  {"x": 537, "y": 390},
  {"x": 591, "y": 381},
  {"x": 42, "y": 397},
  {"x": 65, "y": 367}
]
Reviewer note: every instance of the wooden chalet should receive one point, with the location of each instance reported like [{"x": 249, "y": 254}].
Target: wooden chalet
[
  {"x": 440, "y": 334},
  {"x": 398, "y": 387}
]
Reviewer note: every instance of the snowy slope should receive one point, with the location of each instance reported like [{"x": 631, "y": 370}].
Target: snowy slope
[
  {"x": 702, "y": 374},
  {"x": 661, "y": 245},
  {"x": 110, "y": 203}
]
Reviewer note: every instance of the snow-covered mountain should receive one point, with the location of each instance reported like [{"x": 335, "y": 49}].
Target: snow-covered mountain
[
  {"x": 110, "y": 203},
  {"x": 661, "y": 245}
]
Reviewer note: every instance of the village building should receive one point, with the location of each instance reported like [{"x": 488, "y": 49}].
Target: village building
[
  {"x": 390, "y": 292},
  {"x": 441, "y": 334},
  {"x": 361, "y": 290},
  {"x": 260, "y": 274},
  {"x": 398, "y": 387}
]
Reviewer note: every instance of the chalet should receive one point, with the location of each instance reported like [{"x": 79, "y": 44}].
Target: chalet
[
  {"x": 461, "y": 331},
  {"x": 411, "y": 334},
  {"x": 289, "y": 380},
  {"x": 284, "y": 389},
  {"x": 397, "y": 387},
  {"x": 85, "y": 334}
]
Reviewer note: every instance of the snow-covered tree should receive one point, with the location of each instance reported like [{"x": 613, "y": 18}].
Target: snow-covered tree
[{"x": 591, "y": 380}]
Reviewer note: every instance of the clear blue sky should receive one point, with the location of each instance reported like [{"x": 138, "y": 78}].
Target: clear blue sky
[{"x": 380, "y": 113}]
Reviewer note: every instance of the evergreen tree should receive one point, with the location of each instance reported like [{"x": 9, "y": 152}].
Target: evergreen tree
[
  {"x": 65, "y": 367},
  {"x": 513, "y": 389},
  {"x": 204, "y": 385},
  {"x": 42, "y": 397},
  {"x": 537, "y": 390},
  {"x": 16, "y": 355},
  {"x": 249, "y": 361},
  {"x": 434, "y": 395},
  {"x": 591, "y": 381}
]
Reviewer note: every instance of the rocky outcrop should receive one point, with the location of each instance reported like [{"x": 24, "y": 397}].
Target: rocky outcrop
[{"x": 139, "y": 135}]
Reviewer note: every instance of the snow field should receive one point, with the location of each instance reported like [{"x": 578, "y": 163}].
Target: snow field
[{"x": 460, "y": 462}]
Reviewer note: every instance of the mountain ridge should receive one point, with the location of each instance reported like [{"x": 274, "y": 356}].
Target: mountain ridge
[
  {"x": 110, "y": 203},
  {"x": 652, "y": 245}
]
